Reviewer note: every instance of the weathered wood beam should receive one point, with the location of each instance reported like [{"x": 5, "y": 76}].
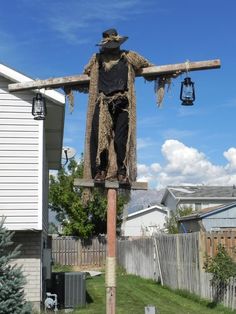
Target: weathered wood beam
[
  {"x": 51, "y": 83},
  {"x": 182, "y": 67},
  {"x": 110, "y": 184},
  {"x": 83, "y": 79}
]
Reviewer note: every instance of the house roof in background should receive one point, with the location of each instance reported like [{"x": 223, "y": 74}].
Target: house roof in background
[
  {"x": 158, "y": 207},
  {"x": 207, "y": 212},
  {"x": 201, "y": 192}
]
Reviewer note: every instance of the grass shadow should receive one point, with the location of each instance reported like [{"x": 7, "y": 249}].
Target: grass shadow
[
  {"x": 89, "y": 299},
  {"x": 212, "y": 305}
]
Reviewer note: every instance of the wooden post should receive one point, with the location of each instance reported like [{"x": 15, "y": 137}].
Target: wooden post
[
  {"x": 111, "y": 257},
  {"x": 111, "y": 252}
]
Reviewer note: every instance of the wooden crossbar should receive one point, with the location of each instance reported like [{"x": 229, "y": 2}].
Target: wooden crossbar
[
  {"x": 110, "y": 184},
  {"x": 84, "y": 80}
]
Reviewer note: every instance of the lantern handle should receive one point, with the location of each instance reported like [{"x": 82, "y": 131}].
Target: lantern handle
[{"x": 187, "y": 65}]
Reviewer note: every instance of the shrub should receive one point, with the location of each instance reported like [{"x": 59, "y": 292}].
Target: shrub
[
  {"x": 221, "y": 266},
  {"x": 11, "y": 278}
]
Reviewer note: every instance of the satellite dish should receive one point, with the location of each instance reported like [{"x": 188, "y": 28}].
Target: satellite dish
[{"x": 68, "y": 152}]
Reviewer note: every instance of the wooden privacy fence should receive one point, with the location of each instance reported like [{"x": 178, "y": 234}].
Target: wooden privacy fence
[
  {"x": 178, "y": 260},
  {"x": 172, "y": 259},
  {"x": 76, "y": 252},
  {"x": 227, "y": 239},
  {"x": 136, "y": 256}
]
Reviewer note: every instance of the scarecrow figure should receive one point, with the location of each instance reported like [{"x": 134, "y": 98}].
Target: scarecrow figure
[{"x": 110, "y": 143}]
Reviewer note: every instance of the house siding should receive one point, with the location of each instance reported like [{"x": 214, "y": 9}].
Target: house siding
[
  {"x": 170, "y": 202},
  {"x": 144, "y": 224},
  {"x": 30, "y": 259},
  {"x": 28, "y": 148},
  {"x": 19, "y": 160},
  {"x": 45, "y": 198},
  {"x": 222, "y": 219},
  {"x": 198, "y": 197}
]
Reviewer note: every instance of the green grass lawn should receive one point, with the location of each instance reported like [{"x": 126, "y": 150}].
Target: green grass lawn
[{"x": 134, "y": 293}]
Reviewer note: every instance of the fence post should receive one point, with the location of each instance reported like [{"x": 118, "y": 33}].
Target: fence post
[
  {"x": 201, "y": 254},
  {"x": 79, "y": 252},
  {"x": 178, "y": 262}
]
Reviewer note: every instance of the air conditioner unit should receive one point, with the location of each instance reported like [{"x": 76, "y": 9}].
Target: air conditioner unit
[{"x": 70, "y": 288}]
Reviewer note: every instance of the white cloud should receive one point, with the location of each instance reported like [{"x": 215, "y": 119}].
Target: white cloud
[
  {"x": 142, "y": 169},
  {"x": 186, "y": 165},
  {"x": 230, "y": 155},
  {"x": 148, "y": 173},
  {"x": 155, "y": 167},
  {"x": 187, "y": 160}
]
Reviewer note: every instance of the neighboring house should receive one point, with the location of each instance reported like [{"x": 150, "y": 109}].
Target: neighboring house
[
  {"x": 28, "y": 149},
  {"x": 198, "y": 197},
  {"x": 144, "y": 222},
  {"x": 210, "y": 219}
]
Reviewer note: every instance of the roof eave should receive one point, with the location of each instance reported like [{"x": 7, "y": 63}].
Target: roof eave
[
  {"x": 206, "y": 198},
  {"x": 142, "y": 211},
  {"x": 16, "y": 76}
]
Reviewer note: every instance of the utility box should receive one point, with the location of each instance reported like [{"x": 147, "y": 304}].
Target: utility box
[
  {"x": 150, "y": 309},
  {"x": 70, "y": 288}
]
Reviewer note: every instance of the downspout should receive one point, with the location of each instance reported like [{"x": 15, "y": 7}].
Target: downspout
[{"x": 183, "y": 228}]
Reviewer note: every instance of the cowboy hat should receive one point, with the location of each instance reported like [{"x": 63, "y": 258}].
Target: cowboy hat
[{"x": 111, "y": 39}]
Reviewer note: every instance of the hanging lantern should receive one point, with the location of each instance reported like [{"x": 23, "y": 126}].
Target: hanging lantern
[
  {"x": 187, "y": 92},
  {"x": 39, "y": 110}
]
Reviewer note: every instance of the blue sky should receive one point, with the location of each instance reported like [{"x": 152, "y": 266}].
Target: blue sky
[{"x": 176, "y": 145}]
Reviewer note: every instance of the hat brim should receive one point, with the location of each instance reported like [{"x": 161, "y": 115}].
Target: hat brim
[{"x": 113, "y": 43}]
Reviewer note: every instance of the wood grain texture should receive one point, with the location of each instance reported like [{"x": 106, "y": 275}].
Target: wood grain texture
[{"x": 85, "y": 79}]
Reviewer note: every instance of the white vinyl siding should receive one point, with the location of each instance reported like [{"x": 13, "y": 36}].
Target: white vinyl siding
[
  {"x": 45, "y": 201},
  {"x": 144, "y": 222},
  {"x": 45, "y": 188},
  {"x": 19, "y": 160},
  {"x": 28, "y": 148}
]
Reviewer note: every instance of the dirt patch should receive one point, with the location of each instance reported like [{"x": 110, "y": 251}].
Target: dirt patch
[{"x": 87, "y": 267}]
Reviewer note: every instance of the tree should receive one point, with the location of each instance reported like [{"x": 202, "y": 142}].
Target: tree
[
  {"x": 12, "y": 280},
  {"x": 222, "y": 267},
  {"x": 172, "y": 222},
  {"x": 52, "y": 228},
  {"x": 75, "y": 217}
]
